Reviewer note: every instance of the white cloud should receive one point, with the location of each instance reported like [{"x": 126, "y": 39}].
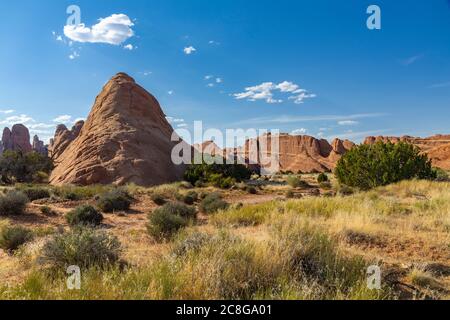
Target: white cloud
[
  {"x": 182, "y": 125},
  {"x": 189, "y": 50},
  {"x": 208, "y": 77},
  {"x": 213, "y": 42},
  {"x": 265, "y": 91},
  {"x": 411, "y": 60},
  {"x": 170, "y": 92},
  {"x": 63, "y": 119},
  {"x": 23, "y": 119},
  {"x": 128, "y": 47},
  {"x": 59, "y": 38},
  {"x": 210, "y": 85},
  {"x": 299, "y": 132},
  {"x": 7, "y": 111},
  {"x": 115, "y": 30},
  {"x": 348, "y": 123},
  {"x": 219, "y": 80}
]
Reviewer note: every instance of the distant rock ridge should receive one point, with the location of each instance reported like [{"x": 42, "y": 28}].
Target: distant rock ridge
[
  {"x": 437, "y": 147},
  {"x": 125, "y": 139},
  {"x": 18, "y": 139}
]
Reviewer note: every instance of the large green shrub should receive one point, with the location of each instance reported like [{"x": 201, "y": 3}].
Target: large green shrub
[
  {"x": 84, "y": 215},
  {"x": 370, "y": 166},
  {"x": 83, "y": 247},
  {"x": 13, "y": 203},
  {"x": 222, "y": 174},
  {"x": 115, "y": 200},
  {"x": 16, "y": 166},
  {"x": 12, "y": 237}
]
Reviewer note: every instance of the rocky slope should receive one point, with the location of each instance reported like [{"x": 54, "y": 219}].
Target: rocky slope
[{"x": 126, "y": 139}]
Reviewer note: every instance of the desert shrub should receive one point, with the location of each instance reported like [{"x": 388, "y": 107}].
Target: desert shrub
[
  {"x": 380, "y": 164},
  {"x": 189, "y": 198},
  {"x": 163, "y": 226},
  {"x": 13, "y": 203},
  {"x": 441, "y": 175},
  {"x": 344, "y": 190},
  {"x": 47, "y": 211},
  {"x": 219, "y": 181},
  {"x": 213, "y": 203},
  {"x": 296, "y": 182},
  {"x": 186, "y": 185},
  {"x": 325, "y": 185},
  {"x": 12, "y": 237},
  {"x": 164, "y": 222},
  {"x": 35, "y": 193},
  {"x": 178, "y": 209},
  {"x": 322, "y": 178},
  {"x": 83, "y": 247},
  {"x": 16, "y": 166},
  {"x": 84, "y": 215},
  {"x": 75, "y": 193},
  {"x": 251, "y": 215},
  {"x": 199, "y": 184},
  {"x": 251, "y": 190},
  {"x": 290, "y": 194},
  {"x": 115, "y": 200},
  {"x": 206, "y": 172},
  {"x": 158, "y": 199}
]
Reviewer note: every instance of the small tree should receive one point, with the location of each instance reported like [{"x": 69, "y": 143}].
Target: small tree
[
  {"x": 370, "y": 166},
  {"x": 16, "y": 166}
]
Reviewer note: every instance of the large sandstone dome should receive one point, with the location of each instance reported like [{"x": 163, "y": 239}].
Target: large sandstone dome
[{"x": 126, "y": 139}]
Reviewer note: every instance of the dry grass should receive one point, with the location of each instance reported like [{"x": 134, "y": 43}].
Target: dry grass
[{"x": 310, "y": 248}]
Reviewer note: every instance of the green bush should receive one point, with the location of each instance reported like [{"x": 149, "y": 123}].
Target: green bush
[
  {"x": 83, "y": 247},
  {"x": 290, "y": 194},
  {"x": 165, "y": 221},
  {"x": 48, "y": 211},
  {"x": 115, "y": 200},
  {"x": 12, "y": 237},
  {"x": 344, "y": 190},
  {"x": 163, "y": 226},
  {"x": 13, "y": 203},
  {"x": 178, "y": 209},
  {"x": 158, "y": 199},
  {"x": 35, "y": 193},
  {"x": 296, "y": 182},
  {"x": 369, "y": 166},
  {"x": 189, "y": 198},
  {"x": 322, "y": 178},
  {"x": 213, "y": 203},
  {"x": 85, "y": 216},
  {"x": 441, "y": 175},
  {"x": 251, "y": 190}
]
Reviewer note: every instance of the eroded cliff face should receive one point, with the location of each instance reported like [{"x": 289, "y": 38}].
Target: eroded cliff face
[
  {"x": 63, "y": 138},
  {"x": 126, "y": 139}
]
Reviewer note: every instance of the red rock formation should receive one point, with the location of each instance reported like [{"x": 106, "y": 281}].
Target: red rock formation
[
  {"x": 126, "y": 139},
  {"x": 39, "y": 146},
  {"x": 17, "y": 139},
  {"x": 63, "y": 138}
]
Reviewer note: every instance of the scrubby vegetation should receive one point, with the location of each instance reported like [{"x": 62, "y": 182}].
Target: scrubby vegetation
[
  {"x": 34, "y": 193},
  {"x": 369, "y": 166},
  {"x": 165, "y": 221},
  {"x": 296, "y": 182},
  {"x": 12, "y": 237},
  {"x": 84, "y": 215},
  {"x": 82, "y": 247},
  {"x": 212, "y": 203},
  {"x": 322, "y": 178},
  {"x": 220, "y": 175},
  {"x": 16, "y": 166},
  {"x": 13, "y": 203},
  {"x": 115, "y": 200}
]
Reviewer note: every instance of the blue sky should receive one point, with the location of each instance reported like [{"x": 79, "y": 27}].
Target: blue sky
[{"x": 253, "y": 63}]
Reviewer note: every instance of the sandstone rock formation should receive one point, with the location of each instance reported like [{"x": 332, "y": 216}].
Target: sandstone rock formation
[
  {"x": 296, "y": 153},
  {"x": 436, "y": 147},
  {"x": 126, "y": 139},
  {"x": 63, "y": 138},
  {"x": 17, "y": 139},
  {"x": 39, "y": 146}
]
